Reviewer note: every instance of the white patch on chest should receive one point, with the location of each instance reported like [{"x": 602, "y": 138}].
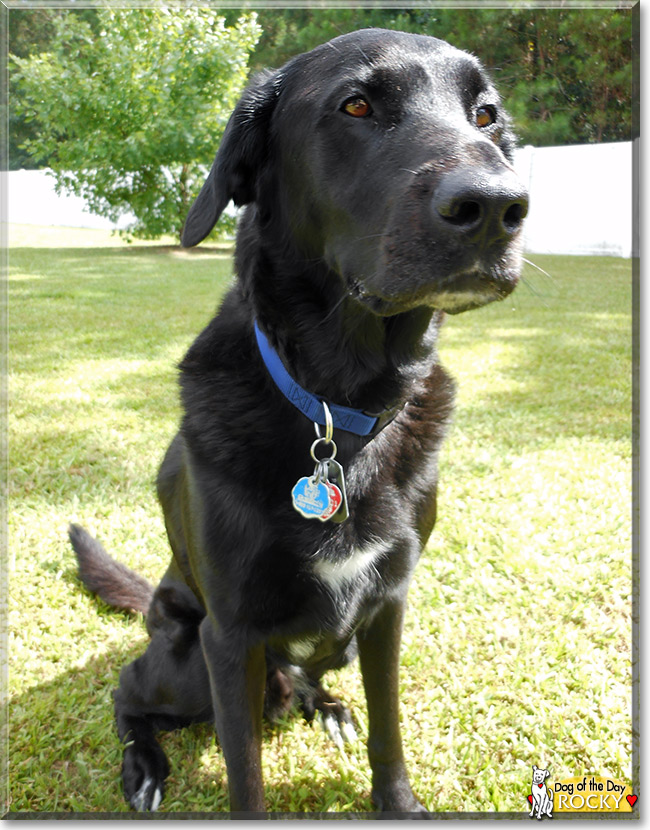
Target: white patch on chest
[
  {"x": 336, "y": 574},
  {"x": 301, "y": 650}
]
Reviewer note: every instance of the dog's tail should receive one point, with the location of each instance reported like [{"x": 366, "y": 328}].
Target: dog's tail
[{"x": 113, "y": 582}]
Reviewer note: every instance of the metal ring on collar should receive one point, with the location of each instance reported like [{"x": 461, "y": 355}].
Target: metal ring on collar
[
  {"x": 331, "y": 444},
  {"x": 329, "y": 425}
]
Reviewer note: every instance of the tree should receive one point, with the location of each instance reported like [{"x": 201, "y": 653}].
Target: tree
[
  {"x": 29, "y": 30},
  {"x": 569, "y": 76},
  {"x": 129, "y": 114},
  {"x": 565, "y": 73}
]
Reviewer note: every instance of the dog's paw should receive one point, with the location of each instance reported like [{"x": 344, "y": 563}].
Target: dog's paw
[
  {"x": 338, "y": 726},
  {"x": 398, "y": 801},
  {"x": 143, "y": 777},
  {"x": 333, "y": 716},
  {"x": 148, "y": 797}
]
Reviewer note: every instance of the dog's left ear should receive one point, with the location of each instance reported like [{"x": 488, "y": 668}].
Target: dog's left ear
[{"x": 238, "y": 162}]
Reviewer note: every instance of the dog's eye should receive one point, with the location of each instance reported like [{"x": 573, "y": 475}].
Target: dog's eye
[
  {"x": 357, "y": 106},
  {"x": 485, "y": 117}
]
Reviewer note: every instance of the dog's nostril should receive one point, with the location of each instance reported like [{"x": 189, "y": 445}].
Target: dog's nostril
[
  {"x": 480, "y": 210},
  {"x": 463, "y": 213},
  {"x": 514, "y": 216}
]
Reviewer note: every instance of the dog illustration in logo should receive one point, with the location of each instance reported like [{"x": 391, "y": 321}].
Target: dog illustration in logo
[{"x": 542, "y": 797}]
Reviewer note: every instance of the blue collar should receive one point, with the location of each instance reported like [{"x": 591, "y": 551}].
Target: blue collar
[{"x": 350, "y": 420}]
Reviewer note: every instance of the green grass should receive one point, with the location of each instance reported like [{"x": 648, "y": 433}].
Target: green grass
[{"x": 517, "y": 642}]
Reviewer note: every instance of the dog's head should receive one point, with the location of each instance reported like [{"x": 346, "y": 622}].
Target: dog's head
[
  {"x": 539, "y": 775},
  {"x": 387, "y": 157}
]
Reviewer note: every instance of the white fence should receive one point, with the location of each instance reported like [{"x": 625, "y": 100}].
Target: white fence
[
  {"x": 32, "y": 201},
  {"x": 580, "y": 200}
]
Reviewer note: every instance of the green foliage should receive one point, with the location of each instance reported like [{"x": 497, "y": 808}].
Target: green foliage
[
  {"x": 565, "y": 74},
  {"x": 30, "y": 31},
  {"x": 129, "y": 114},
  {"x": 571, "y": 79}
]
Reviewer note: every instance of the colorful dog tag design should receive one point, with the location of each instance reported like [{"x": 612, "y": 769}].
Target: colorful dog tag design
[
  {"x": 335, "y": 473},
  {"x": 318, "y": 497},
  {"x": 335, "y": 502},
  {"x": 311, "y": 498}
]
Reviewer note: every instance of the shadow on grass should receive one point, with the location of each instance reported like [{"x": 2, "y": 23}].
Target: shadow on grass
[
  {"x": 65, "y": 755},
  {"x": 565, "y": 369},
  {"x": 109, "y": 325},
  {"x": 111, "y": 302},
  {"x": 552, "y": 370}
]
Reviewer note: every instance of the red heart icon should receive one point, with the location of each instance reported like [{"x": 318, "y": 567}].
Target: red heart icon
[
  {"x": 632, "y": 799},
  {"x": 540, "y": 785},
  {"x": 530, "y": 798}
]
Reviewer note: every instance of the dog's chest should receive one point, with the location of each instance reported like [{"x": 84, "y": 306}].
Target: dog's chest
[
  {"x": 351, "y": 585},
  {"x": 345, "y": 587},
  {"x": 360, "y": 563},
  {"x": 310, "y": 615}
]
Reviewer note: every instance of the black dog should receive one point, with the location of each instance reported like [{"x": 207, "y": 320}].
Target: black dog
[{"x": 377, "y": 174}]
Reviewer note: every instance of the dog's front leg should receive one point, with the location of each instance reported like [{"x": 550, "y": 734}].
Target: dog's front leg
[
  {"x": 379, "y": 655},
  {"x": 237, "y": 676}
]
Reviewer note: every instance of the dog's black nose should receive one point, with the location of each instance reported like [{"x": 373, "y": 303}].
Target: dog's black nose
[{"x": 480, "y": 206}]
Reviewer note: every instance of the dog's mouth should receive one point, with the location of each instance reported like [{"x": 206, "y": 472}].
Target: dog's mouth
[
  {"x": 462, "y": 292},
  {"x": 473, "y": 290}
]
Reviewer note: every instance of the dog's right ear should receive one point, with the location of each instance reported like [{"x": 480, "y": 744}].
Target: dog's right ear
[{"x": 238, "y": 161}]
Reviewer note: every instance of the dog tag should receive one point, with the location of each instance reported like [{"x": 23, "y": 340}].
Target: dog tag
[
  {"x": 318, "y": 497},
  {"x": 311, "y": 498},
  {"x": 334, "y": 501},
  {"x": 336, "y": 477}
]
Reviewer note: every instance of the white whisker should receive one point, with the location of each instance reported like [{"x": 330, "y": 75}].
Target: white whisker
[
  {"x": 370, "y": 236},
  {"x": 546, "y": 274},
  {"x": 332, "y": 310},
  {"x": 542, "y": 294}
]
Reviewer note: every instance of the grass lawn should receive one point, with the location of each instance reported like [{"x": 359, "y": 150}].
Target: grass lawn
[{"x": 517, "y": 648}]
